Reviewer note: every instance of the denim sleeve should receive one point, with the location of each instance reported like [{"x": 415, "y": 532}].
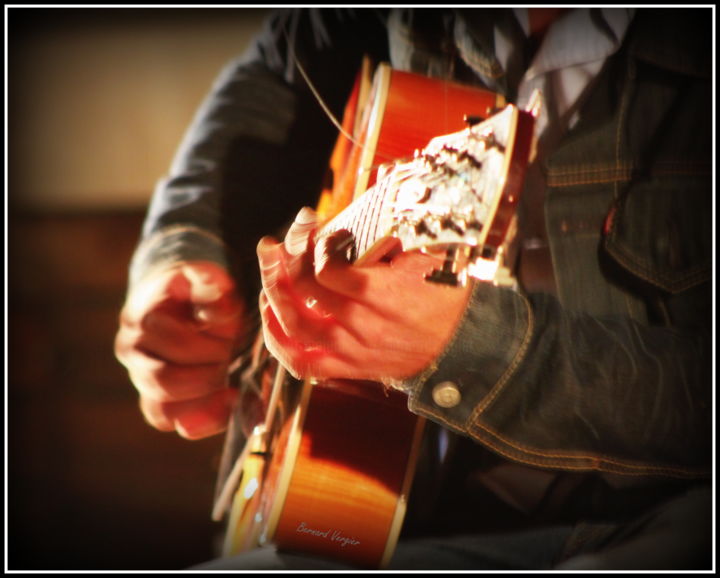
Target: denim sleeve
[
  {"x": 550, "y": 388},
  {"x": 258, "y": 146}
]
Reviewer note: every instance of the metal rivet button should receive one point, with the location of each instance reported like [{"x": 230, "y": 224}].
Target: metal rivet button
[{"x": 446, "y": 394}]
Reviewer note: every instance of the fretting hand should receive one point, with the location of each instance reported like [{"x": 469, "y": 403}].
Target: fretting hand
[{"x": 326, "y": 318}]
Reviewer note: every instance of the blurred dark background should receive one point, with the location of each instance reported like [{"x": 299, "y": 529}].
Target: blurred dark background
[{"x": 98, "y": 100}]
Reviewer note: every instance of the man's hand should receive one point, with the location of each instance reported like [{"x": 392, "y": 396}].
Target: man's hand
[
  {"x": 177, "y": 334},
  {"x": 325, "y": 318}
]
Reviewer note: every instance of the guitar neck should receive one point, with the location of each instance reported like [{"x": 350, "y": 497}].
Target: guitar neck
[
  {"x": 460, "y": 190},
  {"x": 369, "y": 218}
]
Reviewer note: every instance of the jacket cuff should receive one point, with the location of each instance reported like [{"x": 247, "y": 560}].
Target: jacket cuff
[
  {"x": 173, "y": 245},
  {"x": 487, "y": 348}
]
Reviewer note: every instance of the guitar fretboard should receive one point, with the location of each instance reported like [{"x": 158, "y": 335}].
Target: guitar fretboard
[
  {"x": 447, "y": 194},
  {"x": 368, "y": 218}
]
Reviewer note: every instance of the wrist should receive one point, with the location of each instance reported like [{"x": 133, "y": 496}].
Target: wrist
[{"x": 174, "y": 246}]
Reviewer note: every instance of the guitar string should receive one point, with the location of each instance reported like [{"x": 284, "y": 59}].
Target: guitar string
[
  {"x": 362, "y": 217},
  {"x": 315, "y": 92},
  {"x": 367, "y": 237},
  {"x": 326, "y": 109},
  {"x": 356, "y": 215},
  {"x": 364, "y": 213}
]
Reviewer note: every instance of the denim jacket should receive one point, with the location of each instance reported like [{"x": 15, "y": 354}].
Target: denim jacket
[
  {"x": 611, "y": 375},
  {"x": 614, "y": 374}
]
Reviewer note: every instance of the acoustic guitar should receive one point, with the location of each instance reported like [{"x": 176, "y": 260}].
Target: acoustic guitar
[{"x": 329, "y": 470}]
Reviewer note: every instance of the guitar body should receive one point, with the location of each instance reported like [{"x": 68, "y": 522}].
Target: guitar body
[
  {"x": 341, "y": 479},
  {"x": 400, "y": 114},
  {"x": 329, "y": 472}
]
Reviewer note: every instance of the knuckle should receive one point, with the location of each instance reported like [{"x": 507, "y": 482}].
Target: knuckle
[
  {"x": 195, "y": 430},
  {"x": 155, "y": 414},
  {"x": 120, "y": 348},
  {"x": 165, "y": 382}
]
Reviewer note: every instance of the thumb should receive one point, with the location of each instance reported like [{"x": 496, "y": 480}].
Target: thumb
[
  {"x": 299, "y": 234},
  {"x": 212, "y": 294}
]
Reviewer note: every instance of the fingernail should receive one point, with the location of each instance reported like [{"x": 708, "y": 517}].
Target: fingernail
[
  {"x": 306, "y": 216},
  {"x": 265, "y": 246},
  {"x": 298, "y": 237}
]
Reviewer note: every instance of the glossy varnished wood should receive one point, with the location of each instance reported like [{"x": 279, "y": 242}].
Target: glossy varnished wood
[
  {"x": 349, "y": 472},
  {"x": 419, "y": 108},
  {"x": 335, "y": 477}
]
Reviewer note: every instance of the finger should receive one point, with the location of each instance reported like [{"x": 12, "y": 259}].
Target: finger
[
  {"x": 333, "y": 268},
  {"x": 345, "y": 357},
  {"x": 200, "y": 282},
  {"x": 306, "y": 322},
  {"x": 273, "y": 273},
  {"x": 212, "y": 293},
  {"x": 166, "y": 333},
  {"x": 304, "y": 309},
  {"x": 194, "y": 419},
  {"x": 293, "y": 291},
  {"x": 366, "y": 285},
  {"x": 312, "y": 315},
  {"x": 290, "y": 340},
  {"x": 270, "y": 261},
  {"x": 166, "y": 381},
  {"x": 166, "y": 338},
  {"x": 300, "y": 360},
  {"x": 300, "y": 232},
  {"x": 155, "y": 413},
  {"x": 201, "y": 293},
  {"x": 278, "y": 343}
]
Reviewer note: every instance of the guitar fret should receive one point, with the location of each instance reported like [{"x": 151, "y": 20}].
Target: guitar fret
[
  {"x": 351, "y": 223},
  {"x": 350, "y": 219},
  {"x": 363, "y": 234},
  {"x": 381, "y": 205},
  {"x": 458, "y": 190},
  {"x": 377, "y": 204},
  {"x": 359, "y": 237},
  {"x": 348, "y": 223},
  {"x": 361, "y": 215},
  {"x": 371, "y": 230}
]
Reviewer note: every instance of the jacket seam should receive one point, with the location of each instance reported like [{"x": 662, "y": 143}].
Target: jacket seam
[
  {"x": 434, "y": 367},
  {"x": 505, "y": 378},
  {"x": 621, "y": 172},
  {"x": 598, "y": 461},
  {"x": 681, "y": 166},
  {"x": 620, "y": 167},
  {"x": 692, "y": 277},
  {"x": 427, "y": 412}
]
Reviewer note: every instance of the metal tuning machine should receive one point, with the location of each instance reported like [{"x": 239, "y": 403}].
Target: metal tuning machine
[{"x": 453, "y": 271}]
